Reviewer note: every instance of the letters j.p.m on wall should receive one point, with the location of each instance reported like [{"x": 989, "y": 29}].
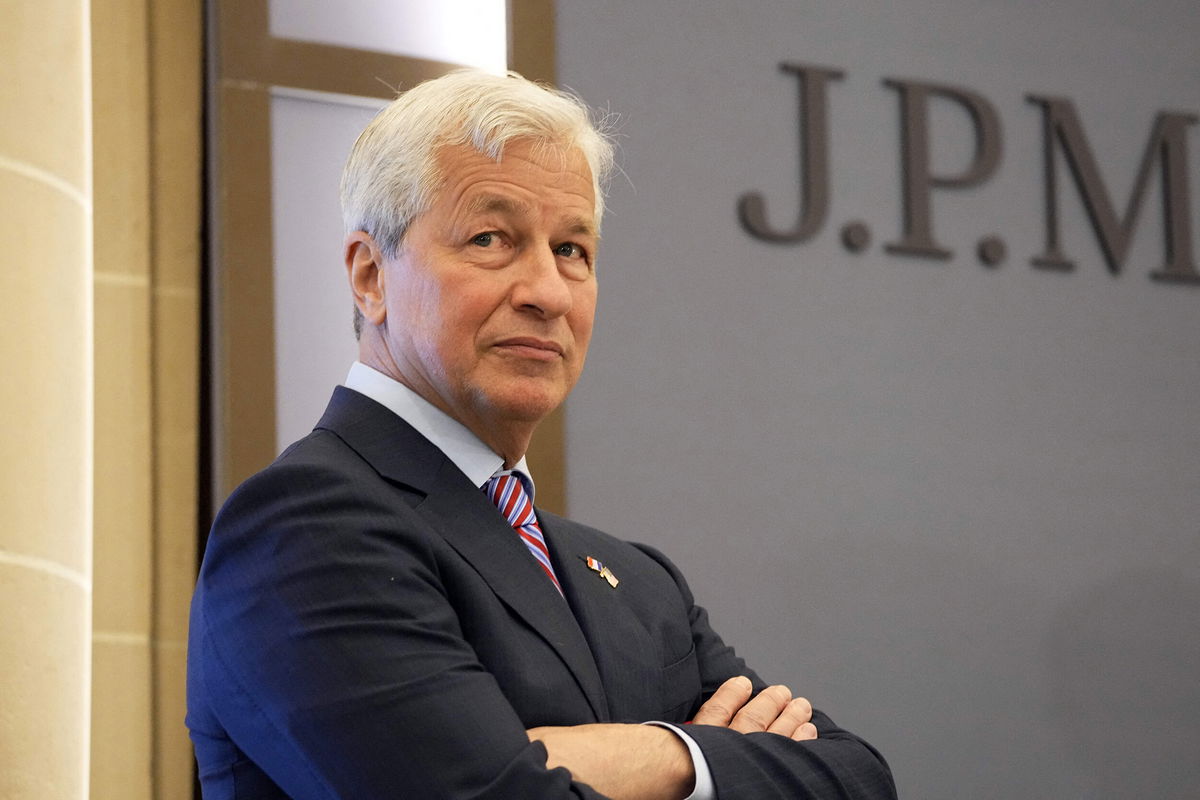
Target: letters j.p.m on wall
[{"x": 1062, "y": 136}]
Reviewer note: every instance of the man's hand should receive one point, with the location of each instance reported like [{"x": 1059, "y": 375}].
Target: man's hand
[
  {"x": 624, "y": 762},
  {"x": 774, "y": 710},
  {"x": 645, "y": 762}
]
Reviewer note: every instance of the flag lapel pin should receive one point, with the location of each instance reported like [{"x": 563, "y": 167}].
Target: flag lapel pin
[{"x": 604, "y": 572}]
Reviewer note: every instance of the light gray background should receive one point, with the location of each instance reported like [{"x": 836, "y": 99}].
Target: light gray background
[{"x": 958, "y": 507}]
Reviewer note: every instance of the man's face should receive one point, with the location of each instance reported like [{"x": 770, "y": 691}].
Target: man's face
[{"x": 491, "y": 297}]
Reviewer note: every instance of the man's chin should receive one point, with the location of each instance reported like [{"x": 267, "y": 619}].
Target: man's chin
[{"x": 529, "y": 403}]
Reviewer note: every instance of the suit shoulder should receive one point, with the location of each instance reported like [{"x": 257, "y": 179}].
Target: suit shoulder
[
  {"x": 318, "y": 484},
  {"x": 314, "y": 464}
]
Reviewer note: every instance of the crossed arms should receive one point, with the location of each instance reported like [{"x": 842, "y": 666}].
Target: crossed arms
[{"x": 645, "y": 762}]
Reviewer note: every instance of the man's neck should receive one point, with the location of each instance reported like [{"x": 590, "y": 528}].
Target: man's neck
[
  {"x": 506, "y": 438},
  {"x": 470, "y": 453}
]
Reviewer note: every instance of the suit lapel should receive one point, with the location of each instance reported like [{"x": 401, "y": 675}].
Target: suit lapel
[
  {"x": 466, "y": 519},
  {"x": 462, "y": 515}
]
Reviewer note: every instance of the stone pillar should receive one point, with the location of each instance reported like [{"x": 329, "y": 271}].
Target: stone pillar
[
  {"x": 123, "y": 551},
  {"x": 45, "y": 399},
  {"x": 147, "y": 59}
]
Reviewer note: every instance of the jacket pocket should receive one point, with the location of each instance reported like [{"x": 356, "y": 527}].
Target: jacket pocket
[{"x": 680, "y": 688}]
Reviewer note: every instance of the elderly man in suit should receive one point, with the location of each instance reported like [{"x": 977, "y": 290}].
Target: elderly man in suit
[{"x": 383, "y": 612}]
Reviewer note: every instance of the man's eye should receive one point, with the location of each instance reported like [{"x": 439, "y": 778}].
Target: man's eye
[
  {"x": 570, "y": 250},
  {"x": 484, "y": 240}
]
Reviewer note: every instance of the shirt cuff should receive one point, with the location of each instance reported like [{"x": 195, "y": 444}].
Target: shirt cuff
[{"x": 704, "y": 789}]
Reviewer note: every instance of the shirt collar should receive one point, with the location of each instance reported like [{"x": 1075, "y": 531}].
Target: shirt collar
[{"x": 455, "y": 440}]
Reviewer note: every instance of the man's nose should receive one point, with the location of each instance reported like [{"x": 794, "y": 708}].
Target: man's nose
[{"x": 540, "y": 287}]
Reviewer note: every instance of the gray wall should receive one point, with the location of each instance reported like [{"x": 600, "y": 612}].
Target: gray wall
[{"x": 957, "y": 506}]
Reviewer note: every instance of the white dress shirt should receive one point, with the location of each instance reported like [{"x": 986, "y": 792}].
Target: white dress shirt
[{"x": 478, "y": 463}]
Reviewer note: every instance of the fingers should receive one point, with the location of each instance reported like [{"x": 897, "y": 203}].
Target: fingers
[
  {"x": 726, "y": 701},
  {"x": 796, "y": 713},
  {"x": 805, "y": 732},
  {"x": 774, "y": 710},
  {"x": 763, "y": 711}
]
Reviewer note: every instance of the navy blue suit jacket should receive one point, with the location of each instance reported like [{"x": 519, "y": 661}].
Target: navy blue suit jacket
[{"x": 366, "y": 625}]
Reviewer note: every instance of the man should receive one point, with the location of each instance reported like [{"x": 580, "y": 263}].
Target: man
[{"x": 382, "y": 612}]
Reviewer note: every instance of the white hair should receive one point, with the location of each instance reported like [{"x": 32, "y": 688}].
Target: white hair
[{"x": 393, "y": 169}]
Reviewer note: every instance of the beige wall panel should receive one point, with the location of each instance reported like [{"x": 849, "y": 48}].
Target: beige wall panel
[
  {"x": 121, "y": 136},
  {"x": 242, "y": 26},
  {"x": 121, "y": 723},
  {"x": 177, "y": 314},
  {"x": 49, "y": 710},
  {"x": 246, "y": 287},
  {"x": 547, "y": 462},
  {"x": 531, "y": 39},
  {"x": 46, "y": 397},
  {"x": 174, "y": 761},
  {"x": 46, "y": 373},
  {"x": 177, "y": 321},
  {"x": 37, "y": 95},
  {"x": 177, "y": 64},
  {"x": 123, "y": 500}
]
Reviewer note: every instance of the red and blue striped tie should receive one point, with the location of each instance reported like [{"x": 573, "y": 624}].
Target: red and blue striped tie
[{"x": 507, "y": 491}]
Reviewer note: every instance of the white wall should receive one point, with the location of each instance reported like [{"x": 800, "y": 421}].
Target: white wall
[
  {"x": 453, "y": 31},
  {"x": 958, "y": 506}
]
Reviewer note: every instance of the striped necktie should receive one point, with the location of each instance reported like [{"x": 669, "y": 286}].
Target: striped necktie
[{"x": 507, "y": 491}]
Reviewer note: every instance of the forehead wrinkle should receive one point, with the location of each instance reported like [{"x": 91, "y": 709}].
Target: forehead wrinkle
[
  {"x": 579, "y": 226},
  {"x": 489, "y": 202},
  {"x": 494, "y": 203}
]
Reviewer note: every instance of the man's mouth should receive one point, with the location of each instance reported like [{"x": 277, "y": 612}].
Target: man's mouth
[{"x": 531, "y": 347}]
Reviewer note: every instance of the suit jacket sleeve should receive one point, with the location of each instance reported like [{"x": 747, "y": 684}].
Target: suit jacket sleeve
[{"x": 766, "y": 766}]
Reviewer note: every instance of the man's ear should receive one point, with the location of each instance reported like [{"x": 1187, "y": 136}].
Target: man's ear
[{"x": 364, "y": 268}]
